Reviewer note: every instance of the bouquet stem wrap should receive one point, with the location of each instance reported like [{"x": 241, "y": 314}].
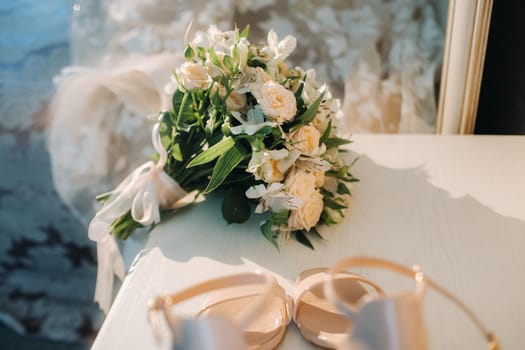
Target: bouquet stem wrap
[{"x": 143, "y": 192}]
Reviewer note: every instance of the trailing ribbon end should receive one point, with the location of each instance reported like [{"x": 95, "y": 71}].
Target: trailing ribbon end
[{"x": 110, "y": 262}]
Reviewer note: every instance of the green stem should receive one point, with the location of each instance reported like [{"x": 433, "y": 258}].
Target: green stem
[
  {"x": 197, "y": 109},
  {"x": 181, "y": 109}
]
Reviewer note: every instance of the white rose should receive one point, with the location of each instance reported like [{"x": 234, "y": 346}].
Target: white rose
[
  {"x": 301, "y": 184},
  {"x": 306, "y": 139},
  {"x": 308, "y": 215},
  {"x": 276, "y": 101},
  {"x": 193, "y": 76}
]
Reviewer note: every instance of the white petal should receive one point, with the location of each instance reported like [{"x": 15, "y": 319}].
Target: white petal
[
  {"x": 278, "y": 154},
  {"x": 256, "y": 191},
  {"x": 273, "y": 41},
  {"x": 286, "y": 46}
]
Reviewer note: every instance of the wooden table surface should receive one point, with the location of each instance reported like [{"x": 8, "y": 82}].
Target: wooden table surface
[{"x": 453, "y": 204}]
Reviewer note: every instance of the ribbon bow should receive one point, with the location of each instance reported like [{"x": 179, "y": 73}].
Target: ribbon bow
[{"x": 144, "y": 191}]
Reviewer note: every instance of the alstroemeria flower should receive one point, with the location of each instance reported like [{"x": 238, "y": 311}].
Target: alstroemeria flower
[
  {"x": 221, "y": 41},
  {"x": 255, "y": 122},
  {"x": 280, "y": 50},
  {"x": 273, "y": 198},
  {"x": 270, "y": 166},
  {"x": 311, "y": 89}
]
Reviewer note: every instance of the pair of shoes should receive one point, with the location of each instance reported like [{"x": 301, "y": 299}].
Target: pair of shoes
[{"x": 332, "y": 308}]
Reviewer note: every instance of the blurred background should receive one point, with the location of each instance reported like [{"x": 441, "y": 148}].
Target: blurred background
[{"x": 382, "y": 58}]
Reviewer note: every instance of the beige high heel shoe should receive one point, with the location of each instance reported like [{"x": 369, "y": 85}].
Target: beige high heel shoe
[
  {"x": 316, "y": 317},
  {"x": 244, "y": 311},
  {"x": 332, "y": 308},
  {"x": 251, "y": 311},
  {"x": 390, "y": 322}
]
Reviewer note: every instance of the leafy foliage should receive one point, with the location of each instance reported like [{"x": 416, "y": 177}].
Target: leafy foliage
[{"x": 220, "y": 137}]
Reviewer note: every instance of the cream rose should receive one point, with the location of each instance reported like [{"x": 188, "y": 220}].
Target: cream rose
[
  {"x": 306, "y": 139},
  {"x": 319, "y": 178},
  {"x": 276, "y": 101},
  {"x": 301, "y": 184},
  {"x": 193, "y": 76},
  {"x": 308, "y": 215}
]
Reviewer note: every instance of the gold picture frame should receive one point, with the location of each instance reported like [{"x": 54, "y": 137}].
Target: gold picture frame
[{"x": 468, "y": 23}]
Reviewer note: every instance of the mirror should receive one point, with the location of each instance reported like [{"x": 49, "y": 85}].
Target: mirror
[{"x": 467, "y": 32}]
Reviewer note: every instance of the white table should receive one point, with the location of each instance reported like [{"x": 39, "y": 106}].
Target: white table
[{"x": 453, "y": 204}]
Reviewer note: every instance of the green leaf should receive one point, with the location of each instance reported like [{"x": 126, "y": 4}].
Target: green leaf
[
  {"x": 235, "y": 206},
  {"x": 212, "y": 153},
  {"x": 316, "y": 233},
  {"x": 343, "y": 189},
  {"x": 213, "y": 58},
  {"x": 201, "y": 52},
  {"x": 332, "y": 142},
  {"x": 311, "y": 112},
  {"x": 224, "y": 166},
  {"x": 228, "y": 62},
  {"x": 279, "y": 218},
  {"x": 266, "y": 230},
  {"x": 326, "y": 133},
  {"x": 176, "y": 153},
  {"x": 300, "y": 236},
  {"x": 189, "y": 53},
  {"x": 255, "y": 62},
  {"x": 265, "y": 130},
  {"x": 326, "y": 218},
  {"x": 330, "y": 203},
  {"x": 245, "y": 31},
  {"x": 236, "y": 53},
  {"x": 299, "y": 91},
  {"x": 183, "y": 109}
]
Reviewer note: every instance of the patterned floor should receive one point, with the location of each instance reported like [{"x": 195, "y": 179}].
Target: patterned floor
[{"x": 47, "y": 264}]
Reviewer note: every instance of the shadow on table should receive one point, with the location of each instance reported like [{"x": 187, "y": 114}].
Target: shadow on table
[{"x": 398, "y": 215}]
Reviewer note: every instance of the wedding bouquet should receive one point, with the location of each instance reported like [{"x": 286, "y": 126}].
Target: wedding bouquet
[{"x": 246, "y": 124}]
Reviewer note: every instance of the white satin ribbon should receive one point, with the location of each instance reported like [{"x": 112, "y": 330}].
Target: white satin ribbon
[{"x": 144, "y": 191}]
